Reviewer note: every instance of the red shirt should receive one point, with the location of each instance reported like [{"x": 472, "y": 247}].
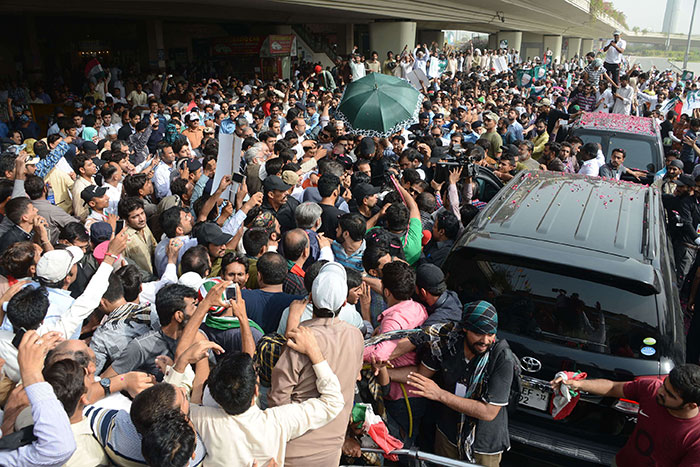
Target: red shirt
[{"x": 659, "y": 439}]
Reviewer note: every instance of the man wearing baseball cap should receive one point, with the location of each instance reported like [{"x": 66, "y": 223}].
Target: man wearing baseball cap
[
  {"x": 277, "y": 201},
  {"x": 365, "y": 196},
  {"x": 613, "y": 56},
  {"x": 95, "y": 197},
  {"x": 491, "y": 135},
  {"x": 293, "y": 378},
  {"x": 477, "y": 372},
  {"x": 211, "y": 236}
]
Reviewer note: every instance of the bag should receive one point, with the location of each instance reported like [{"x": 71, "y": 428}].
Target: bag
[
  {"x": 392, "y": 65},
  {"x": 516, "y": 386}
]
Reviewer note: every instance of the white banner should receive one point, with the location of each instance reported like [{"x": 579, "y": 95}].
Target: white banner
[{"x": 228, "y": 162}]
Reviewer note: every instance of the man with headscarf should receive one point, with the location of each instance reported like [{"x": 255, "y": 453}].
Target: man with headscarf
[{"x": 477, "y": 373}]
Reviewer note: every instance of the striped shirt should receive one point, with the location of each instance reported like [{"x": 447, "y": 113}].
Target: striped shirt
[
  {"x": 353, "y": 261},
  {"x": 116, "y": 433}
]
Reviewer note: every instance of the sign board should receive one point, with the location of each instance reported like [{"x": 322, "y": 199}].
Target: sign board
[
  {"x": 503, "y": 44},
  {"x": 238, "y": 45},
  {"x": 281, "y": 44}
]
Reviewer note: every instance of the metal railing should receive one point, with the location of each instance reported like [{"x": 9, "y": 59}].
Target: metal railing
[
  {"x": 317, "y": 44},
  {"x": 416, "y": 458}
]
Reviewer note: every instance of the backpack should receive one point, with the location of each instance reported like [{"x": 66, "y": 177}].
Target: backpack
[{"x": 516, "y": 386}]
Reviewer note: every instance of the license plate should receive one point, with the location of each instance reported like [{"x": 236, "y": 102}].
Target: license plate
[{"x": 534, "y": 398}]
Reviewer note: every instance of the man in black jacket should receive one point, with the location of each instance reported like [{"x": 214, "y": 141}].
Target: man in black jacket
[
  {"x": 441, "y": 304},
  {"x": 688, "y": 241},
  {"x": 278, "y": 202}
]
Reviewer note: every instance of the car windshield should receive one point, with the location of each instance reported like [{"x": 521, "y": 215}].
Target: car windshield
[
  {"x": 569, "y": 311},
  {"x": 639, "y": 152}
]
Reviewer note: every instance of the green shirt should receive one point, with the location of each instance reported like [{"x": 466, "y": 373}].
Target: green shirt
[{"x": 412, "y": 241}]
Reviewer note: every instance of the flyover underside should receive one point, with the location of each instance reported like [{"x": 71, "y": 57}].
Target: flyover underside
[{"x": 559, "y": 17}]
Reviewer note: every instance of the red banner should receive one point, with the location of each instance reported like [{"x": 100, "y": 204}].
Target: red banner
[
  {"x": 281, "y": 44},
  {"x": 240, "y": 45}
]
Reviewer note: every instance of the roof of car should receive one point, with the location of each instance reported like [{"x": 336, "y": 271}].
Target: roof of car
[
  {"x": 555, "y": 217},
  {"x": 618, "y": 123}
]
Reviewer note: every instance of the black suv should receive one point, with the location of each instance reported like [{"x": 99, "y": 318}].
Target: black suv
[
  {"x": 640, "y": 137},
  {"x": 580, "y": 271}
]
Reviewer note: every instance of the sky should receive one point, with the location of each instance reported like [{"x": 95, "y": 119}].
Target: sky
[{"x": 649, "y": 14}]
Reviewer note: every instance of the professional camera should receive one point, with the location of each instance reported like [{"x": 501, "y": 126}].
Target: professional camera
[{"x": 447, "y": 159}]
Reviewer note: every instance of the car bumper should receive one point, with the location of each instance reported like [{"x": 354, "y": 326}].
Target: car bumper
[{"x": 561, "y": 444}]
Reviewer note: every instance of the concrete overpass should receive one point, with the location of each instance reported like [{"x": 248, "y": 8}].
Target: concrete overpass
[
  {"x": 567, "y": 27},
  {"x": 659, "y": 38}
]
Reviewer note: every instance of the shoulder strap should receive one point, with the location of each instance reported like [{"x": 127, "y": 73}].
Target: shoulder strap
[{"x": 17, "y": 439}]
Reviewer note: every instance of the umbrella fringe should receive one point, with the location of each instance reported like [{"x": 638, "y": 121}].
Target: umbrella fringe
[{"x": 381, "y": 134}]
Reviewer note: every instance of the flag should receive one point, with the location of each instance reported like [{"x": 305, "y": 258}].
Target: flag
[
  {"x": 692, "y": 101},
  {"x": 524, "y": 78},
  {"x": 668, "y": 105},
  {"x": 373, "y": 425},
  {"x": 93, "y": 69}
]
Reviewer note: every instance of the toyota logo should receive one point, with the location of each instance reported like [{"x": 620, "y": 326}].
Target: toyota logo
[{"x": 530, "y": 364}]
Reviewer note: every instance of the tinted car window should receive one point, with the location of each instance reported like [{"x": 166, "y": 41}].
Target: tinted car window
[
  {"x": 639, "y": 152},
  {"x": 590, "y": 137},
  {"x": 569, "y": 311}
]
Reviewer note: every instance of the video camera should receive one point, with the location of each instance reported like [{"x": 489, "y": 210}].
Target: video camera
[{"x": 447, "y": 159}]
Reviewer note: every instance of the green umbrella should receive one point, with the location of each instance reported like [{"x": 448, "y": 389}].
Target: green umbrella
[{"x": 379, "y": 105}]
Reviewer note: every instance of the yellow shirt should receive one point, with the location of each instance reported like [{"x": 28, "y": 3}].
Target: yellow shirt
[
  {"x": 61, "y": 184},
  {"x": 140, "y": 247},
  {"x": 80, "y": 209},
  {"x": 88, "y": 452}
]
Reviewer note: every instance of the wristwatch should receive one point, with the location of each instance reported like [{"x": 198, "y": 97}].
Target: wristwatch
[{"x": 106, "y": 383}]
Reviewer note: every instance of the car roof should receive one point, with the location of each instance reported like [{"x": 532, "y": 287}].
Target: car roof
[
  {"x": 564, "y": 217},
  {"x": 618, "y": 123}
]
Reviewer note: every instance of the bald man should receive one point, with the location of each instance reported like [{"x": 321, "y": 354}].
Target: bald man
[{"x": 296, "y": 250}]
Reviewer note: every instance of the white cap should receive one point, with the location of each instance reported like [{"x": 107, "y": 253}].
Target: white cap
[
  {"x": 617, "y": 33},
  {"x": 330, "y": 288},
  {"x": 191, "y": 279},
  {"x": 54, "y": 265}
]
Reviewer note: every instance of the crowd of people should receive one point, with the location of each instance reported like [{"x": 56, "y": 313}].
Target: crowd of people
[{"x": 151, "y": 316}]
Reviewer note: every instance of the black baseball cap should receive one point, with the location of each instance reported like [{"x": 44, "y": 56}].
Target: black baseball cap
[
  {"x": 210, "y": 232},
  {"x": 92, "y": 191},
  {"x": 685, "y": 180},
  {"x": 100, "y": 232},
  {"x": 429, "y": 276},
  {"x": 510, "y": 150},
  {"x": 363, "y": 190},
  {"x": 273, "y": 182}
]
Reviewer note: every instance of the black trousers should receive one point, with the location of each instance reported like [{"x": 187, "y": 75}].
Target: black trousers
[{"x": 613, "y": 70}]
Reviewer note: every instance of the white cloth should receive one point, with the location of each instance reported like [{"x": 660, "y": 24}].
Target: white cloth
[
  {"x": 261, "y": 434},
  {"x": 613, "y": 55},
  {"x": 589, "y": 167},
  {"x": 624, "y": 105}
]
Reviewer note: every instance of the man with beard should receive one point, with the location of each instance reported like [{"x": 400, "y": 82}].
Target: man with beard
[
  {"x": 668, "y": 426},
  {"x": 667, "y": 183},
  {"x": 175, "y": 305},
  {"x": 615, "y": 168},
  {"x": 476, "y": 375}
]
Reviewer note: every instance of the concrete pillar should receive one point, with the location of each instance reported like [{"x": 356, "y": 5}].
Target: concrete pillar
[
  {"x": 156, "y": 44},
  {"x": 514, "y": 38},
  {"x": 552, "y": 43},
  {"x": 493, "y": 41},
  {"x": 346, "y": 37},
  {"x": 426, "y": 36},
  {"x": 574, "y": 47},
  {"x": 32, "y": 57},
  {"x": 385, "y": 36},
  {"x": 586, "y": 46}
]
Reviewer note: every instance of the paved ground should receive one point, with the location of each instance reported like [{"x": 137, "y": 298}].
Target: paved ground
[{"x": 663, "y": 63}]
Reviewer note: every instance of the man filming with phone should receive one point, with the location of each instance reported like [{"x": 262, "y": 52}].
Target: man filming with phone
[{"x": 613, "y": 56}]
